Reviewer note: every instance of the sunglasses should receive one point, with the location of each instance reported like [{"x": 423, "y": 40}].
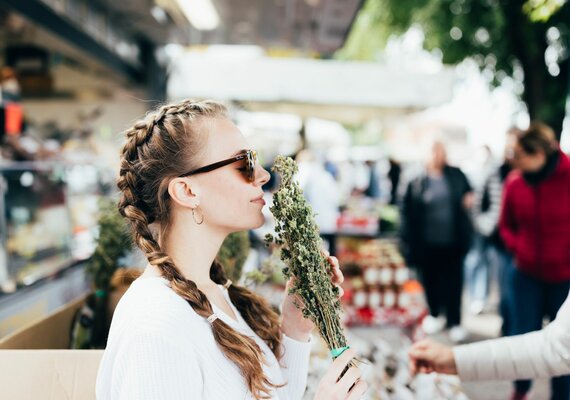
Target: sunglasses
[{"x": 249, "y": 158}]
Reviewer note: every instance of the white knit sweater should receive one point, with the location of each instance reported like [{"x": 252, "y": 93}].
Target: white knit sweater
[
  {"x": 159, "y": 348},
  {"x": 538, "y": 354}
]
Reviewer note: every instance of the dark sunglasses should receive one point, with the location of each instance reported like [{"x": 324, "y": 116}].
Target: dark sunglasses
[{"x": 249, "y": 157}]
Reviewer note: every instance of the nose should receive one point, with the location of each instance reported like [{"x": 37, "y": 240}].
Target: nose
[{"x": 261, "y": 176}]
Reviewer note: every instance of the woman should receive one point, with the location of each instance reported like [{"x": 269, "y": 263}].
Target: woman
[
  {"x": 535, "y": 227},
  {"x": 183, "y": 330}
]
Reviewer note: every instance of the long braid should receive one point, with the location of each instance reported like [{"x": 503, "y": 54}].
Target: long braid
[
  {"x": 254, "y": 309},
  {"x": 142, "y": 203}
]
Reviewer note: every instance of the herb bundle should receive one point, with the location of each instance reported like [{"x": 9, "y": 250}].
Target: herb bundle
[{"x": 298, "y": 234}]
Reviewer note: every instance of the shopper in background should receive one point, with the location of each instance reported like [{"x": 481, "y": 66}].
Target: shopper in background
[
  {"x": 486, "y": 212},
  {"x": 535, "y": 226},
  {"x": 491, "y": 254},
  {"x": 183, "y": 330},
  {"x": 394, "y": 174},
  {"x": 480, "y": 260},
  {"x": 323, "y": 194},
  {"x": 540, "y": 354},
  {"x": 373, "y": 189},
  {"x": 436, "y": 234}
]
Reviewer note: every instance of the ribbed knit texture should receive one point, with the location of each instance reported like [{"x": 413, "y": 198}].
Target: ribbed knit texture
[
  {"x": 159, "y": 348},
  {"x": 539, "y": 354}
]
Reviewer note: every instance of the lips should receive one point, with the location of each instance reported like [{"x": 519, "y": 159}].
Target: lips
[{"x": 259, "y": 200}]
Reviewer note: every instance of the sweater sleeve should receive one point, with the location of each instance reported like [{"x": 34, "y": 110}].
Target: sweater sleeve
[
  {"x": 150, "y": 367},
  {"x": 295, "y": 366},
  {"x": 538, "y": 354}
]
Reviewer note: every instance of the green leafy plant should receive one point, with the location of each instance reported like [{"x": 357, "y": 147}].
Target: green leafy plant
[
  {"x": 113, "y": 243},
  {"x": 297, "y": 233},
  {"x": 233, "y": 253}
]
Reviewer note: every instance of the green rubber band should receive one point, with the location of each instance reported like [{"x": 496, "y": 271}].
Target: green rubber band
[
  {"x": 335, "y": 353},
  {"x": 100, "y": 293}
]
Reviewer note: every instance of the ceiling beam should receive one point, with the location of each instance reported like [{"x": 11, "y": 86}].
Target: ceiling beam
[{"x": 43, "y": 15}]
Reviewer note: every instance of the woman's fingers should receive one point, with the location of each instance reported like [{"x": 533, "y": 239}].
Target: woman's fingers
[
  {"x": 339, "y": 364},
  {"x": 412, "y": 366},
  {"x": 338, "y": 277},
  {"x": 336, "y": 273},
  {"x": 358, "y": 390},
  {"x": 349, "y": 379}
]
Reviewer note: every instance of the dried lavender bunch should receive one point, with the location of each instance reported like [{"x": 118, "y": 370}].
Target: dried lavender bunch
[{"x": 298, "y": 234}]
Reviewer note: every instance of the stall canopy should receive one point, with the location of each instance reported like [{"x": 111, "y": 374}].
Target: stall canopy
[{"x": 351, "y": 92}]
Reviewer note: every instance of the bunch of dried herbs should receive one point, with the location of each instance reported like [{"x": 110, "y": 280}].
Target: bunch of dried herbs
[{"x": 298, "y": 234}]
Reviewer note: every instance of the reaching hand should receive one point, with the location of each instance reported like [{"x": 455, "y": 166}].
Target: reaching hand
[
  {"x": 428, "y": 356},
  {"x": 349, "y": 387},
  {"x": 294, "y": 324}
]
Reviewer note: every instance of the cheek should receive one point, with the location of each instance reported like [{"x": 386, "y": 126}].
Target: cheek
[{"x": 227, "y": 201}]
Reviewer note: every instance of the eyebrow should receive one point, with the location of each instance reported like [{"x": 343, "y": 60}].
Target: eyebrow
[{"x": 237, "y": 153}]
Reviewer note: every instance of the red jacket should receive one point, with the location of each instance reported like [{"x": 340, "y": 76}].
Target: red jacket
[{"x": 535, "y": 223}]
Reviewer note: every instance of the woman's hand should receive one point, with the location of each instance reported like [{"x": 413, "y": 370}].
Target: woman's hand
[
  {"x": 293, "y": 324},
  {"x": 428, "y": 356},
  {"x": 349, "y": 387}
]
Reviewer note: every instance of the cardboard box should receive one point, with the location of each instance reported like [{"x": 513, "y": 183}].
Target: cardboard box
[
  {"x": 36, "y": 364},
  {"x": 49, "y": 374},
  {"x": 52, "y": 332}
]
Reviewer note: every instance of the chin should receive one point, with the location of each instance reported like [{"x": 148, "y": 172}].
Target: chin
[
  {"x": 254, "y": 224},
  {"x": 259, "y": 223}
]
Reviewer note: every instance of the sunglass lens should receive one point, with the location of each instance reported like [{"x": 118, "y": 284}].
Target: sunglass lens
[{"x": 251, "y": 165}]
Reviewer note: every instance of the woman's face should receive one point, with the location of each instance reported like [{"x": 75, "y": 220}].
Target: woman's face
[
  {"x": 528, "y": 162},
  {"x": 227, "y": 199}
]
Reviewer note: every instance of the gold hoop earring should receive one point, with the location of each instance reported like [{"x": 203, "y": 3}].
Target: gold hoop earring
[{"x": 198, "y": 222}]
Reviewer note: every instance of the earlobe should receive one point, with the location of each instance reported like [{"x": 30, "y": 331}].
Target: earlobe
[{"x": 183, "y": 193}]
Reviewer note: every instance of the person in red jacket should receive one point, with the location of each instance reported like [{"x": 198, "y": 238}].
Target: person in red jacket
[{"x": 535, "y": 227}]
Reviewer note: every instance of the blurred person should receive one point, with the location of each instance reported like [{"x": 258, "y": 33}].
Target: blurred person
[
  {"x": 322, "y": 192},
  {"x": 436, "y": 234},
  {"x": 394, "y": 174},
  {"x": 535, "y": 227},
  {"x": 373, "y": 189},
  {"x": 332, "y": 169},
  {"x": 182, "y": 329},
  {"x": 486, "y": 212},
  {"x": 540, "y": 354},
  {"x": 479, "y": 260},
  {"x": 486, "y": 257}
]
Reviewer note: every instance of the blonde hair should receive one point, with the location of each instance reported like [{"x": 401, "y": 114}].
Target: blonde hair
[{"x": 158, "y": 148}]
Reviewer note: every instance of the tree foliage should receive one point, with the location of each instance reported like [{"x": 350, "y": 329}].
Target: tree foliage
[{"x": 505, "y": 37}]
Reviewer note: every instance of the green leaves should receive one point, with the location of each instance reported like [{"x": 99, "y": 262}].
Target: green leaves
[
  {"x": 233, "y": 253},
  {"x": 504, "y": 38},
  {"x": 113, "y": 243},
  {"x": 302, "y": 253},
  {"x": 542, "y": 10}
]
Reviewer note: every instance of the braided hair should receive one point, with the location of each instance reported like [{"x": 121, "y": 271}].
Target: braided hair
[{"x": 161, "y": 147}]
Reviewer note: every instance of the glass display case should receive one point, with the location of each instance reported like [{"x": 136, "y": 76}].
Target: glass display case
[{"x": 48, "y": 220}]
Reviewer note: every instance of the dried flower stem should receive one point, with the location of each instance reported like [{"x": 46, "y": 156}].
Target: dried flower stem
[{"x": 298, "y": 234}]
